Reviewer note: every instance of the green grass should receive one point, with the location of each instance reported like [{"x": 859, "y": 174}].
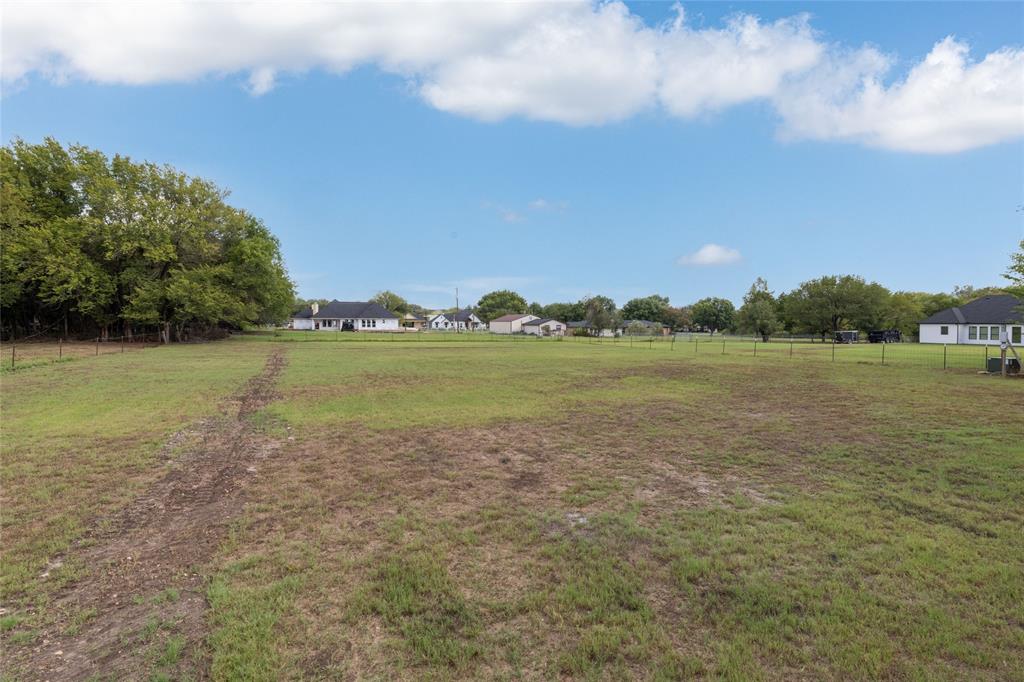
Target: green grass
[
  {"x": 81, "y": 438},
  {"x": 536, "y": 509}
]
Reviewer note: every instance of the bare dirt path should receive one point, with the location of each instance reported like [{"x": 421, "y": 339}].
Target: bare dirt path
[{"x": 144, "y": 580}]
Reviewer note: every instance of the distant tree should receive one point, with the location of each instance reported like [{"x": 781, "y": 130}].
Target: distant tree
[
  {"x": 828, "y": 304},
  {"x": 933, "y": 303},
  {"x": 637, "y": 328},
  {"x": 535, "y": 309},
  {"x": 650, "y": 308},
  {"x": 758, "y": 314},
  {"x": 905, "y": 311},
  {"x": 564, "y": 311},
  {"x": 678, "y": 318},
  {"x": 392, "y": 302},
  {"x": 498, "y": 303},
  {"x": 418, "y": 310},
  {"x": 600, "y": 313},
  {"x": 715, "y": 314},
  {"x": 1015, "y": 273}
]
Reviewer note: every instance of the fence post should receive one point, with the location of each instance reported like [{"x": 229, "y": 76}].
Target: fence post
[
  {"x": 723, "y": 345},
  {"x": 986, "y": 357},
  {"x": 97, "y": 345},
  {"x": 673, "y": 346},
  {"x": 695, "y": 344},
  {"x": 944, "y": 356},
  {"x": 755, "y": 347},
  {"x": 122, "y": 343},
  {"x": 833, "y": 349},
  {"x": 883, "y": 353},
  {"x": 60, "y": 347},
  {"x": 650, "y": 343},
  {"x": 790, "y": 346},
  {"x": 12, "y": 350}
]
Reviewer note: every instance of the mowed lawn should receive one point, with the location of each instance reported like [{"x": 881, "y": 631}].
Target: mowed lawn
[{"x": 542, "y": 510}]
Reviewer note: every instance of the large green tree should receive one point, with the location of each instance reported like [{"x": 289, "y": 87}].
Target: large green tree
[
  {"x": 828, "y": 304},
  {"x": 600, "y": 313},
  {"x": 759, "y": 312},
  {"x": 650, "y": 308},
  {"x": 93, "y": 244},
  {"x": 714, "y": 314},
  {"x": 391, "y": 302},
  {"x": 498, "y": 303}
]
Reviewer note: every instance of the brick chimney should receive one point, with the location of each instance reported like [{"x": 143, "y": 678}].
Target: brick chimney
[{"x": 315, "y": 307}]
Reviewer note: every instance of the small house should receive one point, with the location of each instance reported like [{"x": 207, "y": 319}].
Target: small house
[
  {"x": 544, "y": 327},
  {"x": 976, "y": 323}
]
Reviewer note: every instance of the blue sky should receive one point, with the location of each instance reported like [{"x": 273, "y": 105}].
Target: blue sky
[{"x": 371, "y": 184}]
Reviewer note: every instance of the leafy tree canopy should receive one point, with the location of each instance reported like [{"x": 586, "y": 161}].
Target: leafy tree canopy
[
  {"x": 91, "y": 242},
  {"x": 651, "y": 308},
  {"x": 498, "y": 303},
  {"x": 714, "y": 314},
  {"x": 392, "y": 302}
]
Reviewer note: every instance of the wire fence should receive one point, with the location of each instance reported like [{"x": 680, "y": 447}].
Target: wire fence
[
  {"x": 31, "y": 352},
  {"x": 807, "y": 348},
  {"x": 37, "y": 350}
]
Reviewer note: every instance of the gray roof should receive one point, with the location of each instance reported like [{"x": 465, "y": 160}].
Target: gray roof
[
  {"x": 537, "y": 323},
  {"x": 461, "y": 315},
  {"x": 578, "y": 324},
  {"x": 996, "y": 309},
  {"x": 349, "y": 310}
]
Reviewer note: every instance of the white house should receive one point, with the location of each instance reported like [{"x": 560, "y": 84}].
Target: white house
[
  {"x": 978, "y": 322},
  {"x": 460, "y": 320},
  {"x": 346, "y": 316},
  {"x": 510, "y": 324},
  {"x": 544, "y": 327}
]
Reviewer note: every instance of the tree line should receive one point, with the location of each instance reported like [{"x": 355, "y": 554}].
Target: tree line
[
  {"x": 104, "y": 246},
  {"x": 820, "y": 307}
]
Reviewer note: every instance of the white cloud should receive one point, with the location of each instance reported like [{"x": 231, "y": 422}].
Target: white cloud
[
  {"x": 708, "y": 69},
  {"x": 711, "y": 254},
  {"x": 576, "y": 62},
  {"x": 945, "y": 104}
]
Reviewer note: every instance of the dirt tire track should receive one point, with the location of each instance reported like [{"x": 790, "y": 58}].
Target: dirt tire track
[{"x": 161, "y": 540}]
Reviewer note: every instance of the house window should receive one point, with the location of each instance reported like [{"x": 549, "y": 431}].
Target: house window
[
  {"x": 944, "y": 330},
  {"x": 972, "y": 333},
  {"x": 375, "y": 323},
  {"x": 1015, "y": 335},
  {"x": 983, "y": 333},
  {"x": 994, "y": 333}
]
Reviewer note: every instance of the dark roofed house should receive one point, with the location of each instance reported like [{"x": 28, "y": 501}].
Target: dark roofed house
[
  {"x": 346, "y": 316},
  {"x": 544, "y": 326},
  {"x": 413, "y": 321},
  {"x": 979, "y": 322}
]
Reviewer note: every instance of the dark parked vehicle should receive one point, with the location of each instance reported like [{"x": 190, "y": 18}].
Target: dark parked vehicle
[
  {"x": 885, "y": 336},
  {"x": 848, "y": 336}
]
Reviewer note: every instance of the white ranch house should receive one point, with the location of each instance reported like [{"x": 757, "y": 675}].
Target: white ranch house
[
  {"x": 461, "y": 320},
  {"x": 976, "y": 323},
  {"x": 362, "y": 316}
]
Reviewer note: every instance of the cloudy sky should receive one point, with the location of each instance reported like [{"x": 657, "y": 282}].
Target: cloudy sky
[{"x": 561, "y": 149}]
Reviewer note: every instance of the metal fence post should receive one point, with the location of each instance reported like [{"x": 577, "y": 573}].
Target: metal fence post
[
  {"x": 944, "y": 356},
  {"x": 60, "y": 347},
  {"x": 97, "y": 345},
  {"x": 790, "y": 346},
  {"x": 755, "y": 347},
  {"x": 883, "y": 353},
  {"x": 12, "y": 351},
  {"x": 122, "y": 343},
  {"x": 723, "y": 346},
  {"x": 673, "y": 346},
  {"x": 833, "y": 349}
]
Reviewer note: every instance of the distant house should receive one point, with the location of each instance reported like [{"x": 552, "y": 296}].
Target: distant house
[
  {"x": 652, "y": 328},
  {"x": 460, "y": 320},
  {"x": 573, "y": 325},
  {"x": 544, "y": 327},
  {"x": 413, "y": 321},
  {"x": 510, "y": 324},
  {"x": 439, "y": 321},
  {"x": 346, "y": 316},
  {"x": 977, "y": 323}
]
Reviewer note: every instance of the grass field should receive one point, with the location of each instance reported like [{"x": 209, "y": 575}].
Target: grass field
[{"x": 283, "y": 507}]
